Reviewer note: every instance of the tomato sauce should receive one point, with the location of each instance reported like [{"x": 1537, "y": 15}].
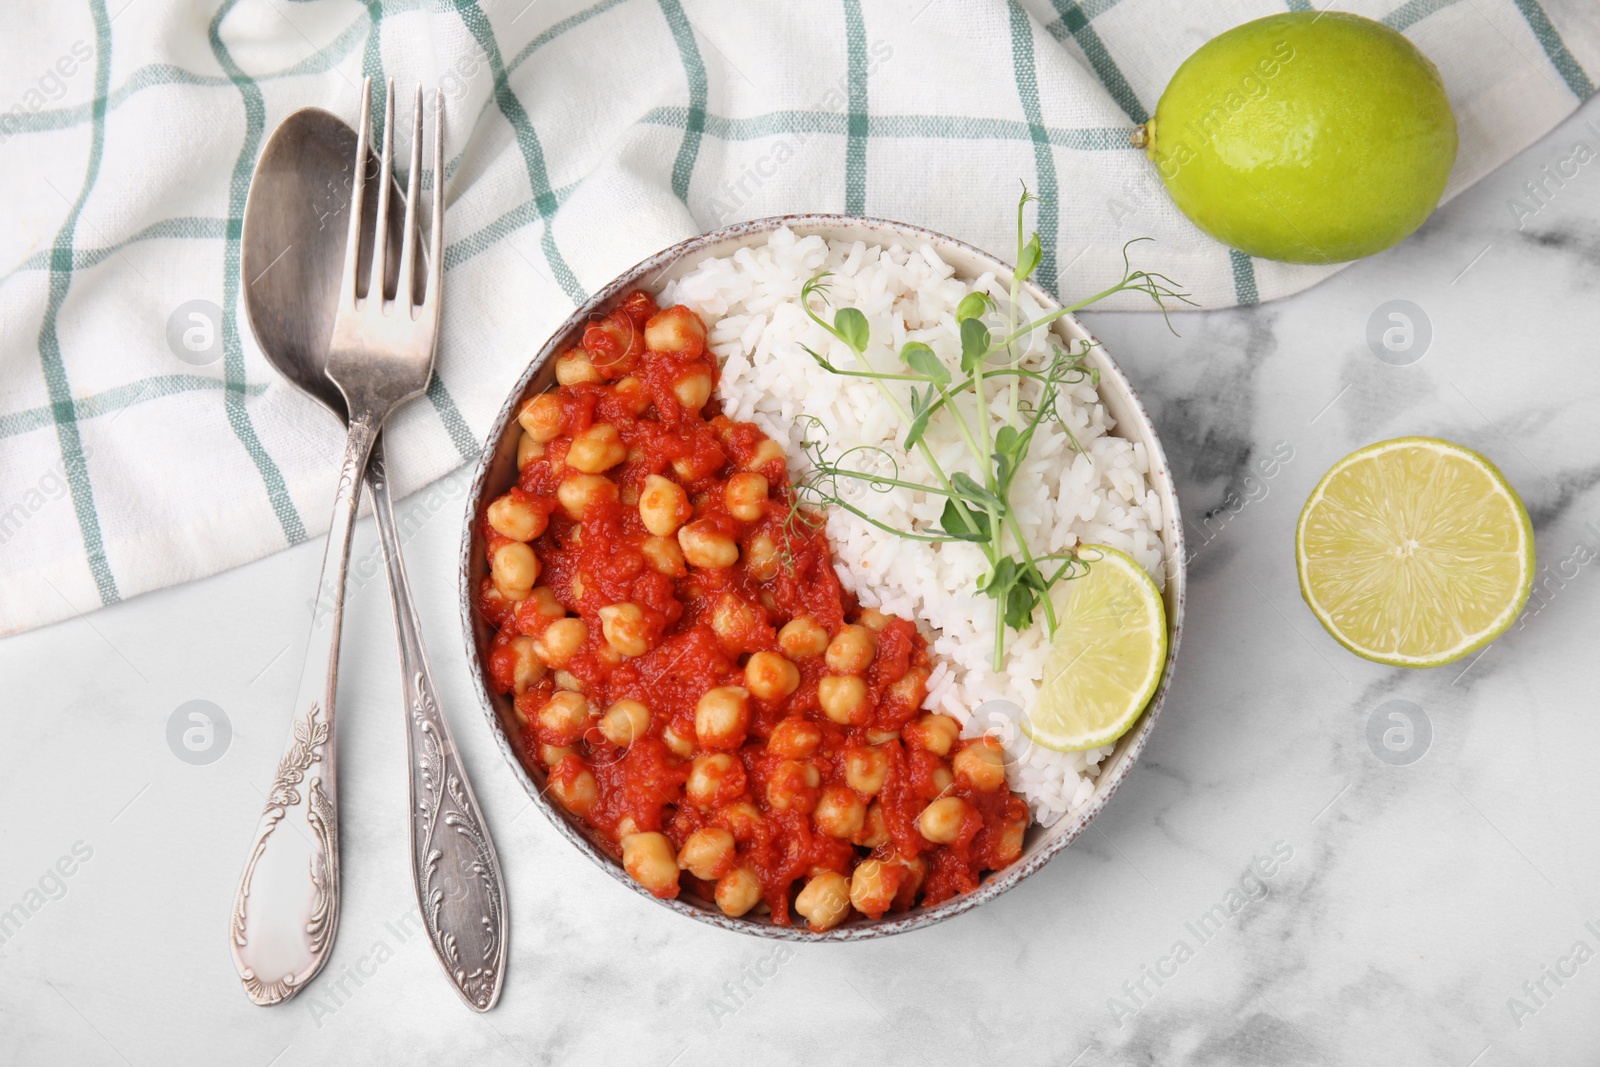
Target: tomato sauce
[{"x": 687, "y": 669}]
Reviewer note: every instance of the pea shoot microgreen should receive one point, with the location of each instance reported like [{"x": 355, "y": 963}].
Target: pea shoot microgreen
[{"x": 995, "y": 380}]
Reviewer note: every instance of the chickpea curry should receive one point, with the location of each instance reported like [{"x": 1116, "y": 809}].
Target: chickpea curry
[{"x": 687, "y": 670}]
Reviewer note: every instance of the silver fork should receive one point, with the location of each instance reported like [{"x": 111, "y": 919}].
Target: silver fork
[{"x": 287, "y": 909}]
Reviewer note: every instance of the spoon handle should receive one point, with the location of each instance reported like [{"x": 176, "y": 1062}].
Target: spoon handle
[
  {"x": 460, "y": 889},
  {"x": 287, "y": 907}
]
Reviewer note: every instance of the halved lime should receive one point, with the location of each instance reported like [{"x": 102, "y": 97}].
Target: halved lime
[
  {"x": 1106, "y": 660},
  {"x": 1415, "y": 552}
]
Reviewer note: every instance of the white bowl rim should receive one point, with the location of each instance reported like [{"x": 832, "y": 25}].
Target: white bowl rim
[{"x": 1120, "y": 763}]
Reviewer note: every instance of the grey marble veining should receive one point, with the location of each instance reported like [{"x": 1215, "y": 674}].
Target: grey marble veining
[{"x": 1265, "y": 889}]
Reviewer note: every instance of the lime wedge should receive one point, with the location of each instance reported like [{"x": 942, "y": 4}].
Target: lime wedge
[
  {"x": 1415, "y": 552},
  {"x": 1106, "y": 660}
]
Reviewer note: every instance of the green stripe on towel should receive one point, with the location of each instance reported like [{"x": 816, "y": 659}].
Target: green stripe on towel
[{"x": 62, "y": 408}]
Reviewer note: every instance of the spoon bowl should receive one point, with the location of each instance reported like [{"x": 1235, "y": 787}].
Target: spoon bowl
[{"x": 296, "y": 222}]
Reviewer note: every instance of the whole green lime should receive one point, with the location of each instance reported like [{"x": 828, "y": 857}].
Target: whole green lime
[{"x": 1310, "y": 137}]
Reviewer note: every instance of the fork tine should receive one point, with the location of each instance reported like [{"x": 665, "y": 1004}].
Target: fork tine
[
  {"x": 436, "y": 242},
  {"x": 380, "y": 238},
  {"x": 405, "y": 288},
  {"x": 352, "y": 244}
]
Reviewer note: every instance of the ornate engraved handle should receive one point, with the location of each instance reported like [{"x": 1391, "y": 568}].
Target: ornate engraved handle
[
  {"x": 287, "y": 907},
  {"x": 457, "y": 873}
]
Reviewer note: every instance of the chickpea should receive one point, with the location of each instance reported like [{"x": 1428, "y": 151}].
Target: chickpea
[
  {"x": 516, "y": 519},
  {"x": 651, "y": 861},
  {"x": 550, "y": 755},
  {"x": 544, "y": 602},
  {"x": 577, "y": 790},
  {"x": 514, "y": 569},
  {"x": 625, "y": 628},
  {"x": 941, "y": 780},
  {"x": 579, "y": 492},
  {"x": 916, "y": 869},
  {"x": 1008, "y": 846},
  {"x": 865, "y": 768},
  {"x": 706, "y": 546},
  {"x": 707, "y": 854},
  {"x": 574, "y": 367},
  {"x": 693, "y": 390},
  {"x": 825, "y": 901},
  {"x": 851, "y": 650},
  {"x": 940, "y": 822},
  {"x": 802, "y": 638},
  {"x": 983, "y": 763},
  {"x": 874, "y": 832},
  {"x": 561, "y": 641},
  {"x": 528, "y": 450},
  {"x": 722, "y": 716},
  {"x": 542, "y": 417},
  {"x": 793, "y": 786},
  {"x": 794, "y": 738},
  {"x": 875, "y": 620},
  {"x": 936, "y": 733},
  {"x": 746, "y": 493},
  {"x": 766, "y": 452},
  {"x": 678, "y": 744},
  {"x": 631, "y": 391},
  {"x": 878, "y": 737},
  {"x": 578, "y": 586},
  {"x": 677, "y": 330},
  {"x": 742, "y": 819},
  {"x": 625, "y": 722},
  {"x": 771, "y": 677},
  {"x": 843, "y": 697},
  {"x": 711, "y": 777},
  {"x": 566, "y": 716},
  {"x": 734, "y": 620},
  {"x": 568, "y": 680},
  {"x": 599, "y": 448},
  {"x": 873, "y": 885},
  {"x": 738, "y": 891},
  {"x": 840, "y": 813},
  {"x": 664, "y": 556},
  {"x": 528, "y": 669},
  {"x": 909, "y": 691},
  {"x": 697, "y": 465},
  {"x": 625, "y": 826},
  {"x": 761, "y": 556},
  {"x": 663, "y": 505}
]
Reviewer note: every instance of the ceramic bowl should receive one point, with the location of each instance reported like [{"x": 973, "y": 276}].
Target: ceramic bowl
[{"x": 496, "y": 472}]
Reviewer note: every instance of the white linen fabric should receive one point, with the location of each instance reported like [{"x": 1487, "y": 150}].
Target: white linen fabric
[{"x": 145, "y": 441}]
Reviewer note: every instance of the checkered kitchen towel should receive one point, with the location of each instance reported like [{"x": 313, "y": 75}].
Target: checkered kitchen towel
[{"x": 141, "y": 445}]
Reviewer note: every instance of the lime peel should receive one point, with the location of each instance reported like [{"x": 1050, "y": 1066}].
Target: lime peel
[{"x": 1107, "y": 658}]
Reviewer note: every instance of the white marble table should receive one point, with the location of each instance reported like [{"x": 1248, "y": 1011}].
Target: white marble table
[{"x": 1432, "y": 910}]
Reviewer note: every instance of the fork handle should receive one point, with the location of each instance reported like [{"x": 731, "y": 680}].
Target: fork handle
[
  {"x": 286, "y": 910},
  {"x": 460, "y": 889}
]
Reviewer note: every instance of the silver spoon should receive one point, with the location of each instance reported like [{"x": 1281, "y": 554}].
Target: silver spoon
[{"x": 295, "y": 229}]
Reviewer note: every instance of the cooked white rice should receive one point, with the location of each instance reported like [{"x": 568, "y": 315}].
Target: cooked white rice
[{"x": 750, "y": 301}]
